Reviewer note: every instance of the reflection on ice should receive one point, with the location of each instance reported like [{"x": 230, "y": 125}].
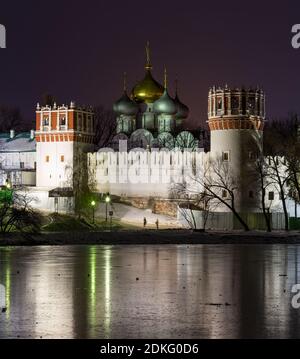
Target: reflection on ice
[{"x": 224, "y": 291}]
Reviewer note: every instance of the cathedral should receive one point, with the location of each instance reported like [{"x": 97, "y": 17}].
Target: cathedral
[
  {"x": 150, "y": 154},
  {"x": 149, "y": 117}
]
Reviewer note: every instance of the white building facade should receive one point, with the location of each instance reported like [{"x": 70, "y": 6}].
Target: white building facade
[{"x": 18, "y": 159}]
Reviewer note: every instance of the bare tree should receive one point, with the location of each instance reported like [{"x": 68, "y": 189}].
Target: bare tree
[
  {"x": 190, "y": 201},
  {"x": 105, "y": 125},
  {"x": 10, "y": 118},
  {"x": 76, "y": 179},
  {"x": 292, "y": 163},
  {"x": 203, "y": 135},
  {"x": 16, "y": 212},
  {"x": 47, "y": 100},
  {"x": 276, "y": 150},
  {"x": 187, "y": 210},
  {"x": 280, "y": 177},
  {"x": 213, "y": 187},
  {"x": 264, "y": 181},
  {"x": 222, "y": 186}
]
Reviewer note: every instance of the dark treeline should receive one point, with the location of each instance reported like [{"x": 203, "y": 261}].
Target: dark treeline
[
  {"x": 12, "y": 119},
  {"x": 281, "y": 135}
]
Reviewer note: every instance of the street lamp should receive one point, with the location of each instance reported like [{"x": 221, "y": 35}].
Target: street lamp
[
  {"x": 8, "y": 187},
  {"x": 93, "y": 204},
  {"x": 107, "y": 201}
]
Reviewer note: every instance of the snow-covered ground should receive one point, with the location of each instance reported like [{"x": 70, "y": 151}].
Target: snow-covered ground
[{"x": 132, "y": 215}]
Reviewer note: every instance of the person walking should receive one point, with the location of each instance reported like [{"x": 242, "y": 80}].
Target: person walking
[
  {"x": 157, "y": 224},
  {"x": 145, "y": 222}
]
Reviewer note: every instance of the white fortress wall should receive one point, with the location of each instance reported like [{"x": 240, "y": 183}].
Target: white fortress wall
[{"x": 143, "y": 173}]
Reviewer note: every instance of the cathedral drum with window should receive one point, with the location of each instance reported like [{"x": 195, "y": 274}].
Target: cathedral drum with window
[{"x": 236, "y": 121}]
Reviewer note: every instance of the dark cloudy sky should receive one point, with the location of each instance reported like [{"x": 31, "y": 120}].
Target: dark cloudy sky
[{"x": 79, "y": 49}]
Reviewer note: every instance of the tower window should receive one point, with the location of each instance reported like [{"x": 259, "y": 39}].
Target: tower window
[
  {"x": 220, "y": 104},
  {"x": 62, "y": 121},
  {"x": 225, "y": 156},
  {"x": 47, "y": 159},
  {"x": 46, "y": 121},
  {"x": 224, "y": 193},
  {"x": 235, "y": 103},
  {"x": 22, "y": 165},
  {"x": 271, "y": 196},
  {"x": 62, "y": 158}
]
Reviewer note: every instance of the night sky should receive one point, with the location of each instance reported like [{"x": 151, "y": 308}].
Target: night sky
[{"x": 78, "y": 50}]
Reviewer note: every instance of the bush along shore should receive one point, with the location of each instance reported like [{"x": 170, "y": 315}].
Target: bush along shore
[
  {"x": 69, "y": 230},
  {"x": 147, "y": 237}
]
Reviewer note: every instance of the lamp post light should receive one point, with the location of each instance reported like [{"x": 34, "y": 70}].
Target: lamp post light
[
  {"x": 8, "y": 187},
  {"x": 93, "y": 204},
  {"x": 107, "y": 201}
]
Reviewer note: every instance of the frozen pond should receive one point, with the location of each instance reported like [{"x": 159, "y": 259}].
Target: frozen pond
[{"x": 162, "y": 291}]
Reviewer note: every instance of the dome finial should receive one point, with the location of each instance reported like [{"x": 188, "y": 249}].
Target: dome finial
[
  {"x": 182, "y": 109},
  {"x": 125, "y": 81},
  {"x": 148, "y": 57},
  {"x": 176, "y": 86},
  {"x": 166, "y": 78}
]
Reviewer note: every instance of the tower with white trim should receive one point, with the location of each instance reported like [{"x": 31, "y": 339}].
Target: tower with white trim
[
  {"x": 64, "y": 134},
  {"x": 236, "y": 120}
]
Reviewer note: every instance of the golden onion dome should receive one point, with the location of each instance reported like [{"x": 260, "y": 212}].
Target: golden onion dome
[{"x": 148, "y": 90}]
